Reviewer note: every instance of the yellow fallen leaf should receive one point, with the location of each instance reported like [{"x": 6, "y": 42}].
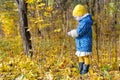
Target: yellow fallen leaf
[
  {"x": 49, "y": 76},
  {"x": 21, "y": 77},
  {"x": 57, "y": 30},
  {"x": 91, "y": 72}
]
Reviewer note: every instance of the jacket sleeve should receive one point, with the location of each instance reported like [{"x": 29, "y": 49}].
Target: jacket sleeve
[{"x": 83, "y": 28}]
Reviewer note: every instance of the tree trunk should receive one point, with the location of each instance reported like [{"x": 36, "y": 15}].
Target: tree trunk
[
  {"x": 25, "y": 34},
  {"x": 93, "y": 10}
]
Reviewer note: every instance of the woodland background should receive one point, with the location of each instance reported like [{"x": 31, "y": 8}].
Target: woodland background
[{"x": 34, "y": 44}]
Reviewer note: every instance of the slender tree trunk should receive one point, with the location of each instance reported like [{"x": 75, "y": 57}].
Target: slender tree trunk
[
  {"x": 25, "y": 34},
  {"x": 115, "y": 37},
  {"x": 93, "y": 10}
]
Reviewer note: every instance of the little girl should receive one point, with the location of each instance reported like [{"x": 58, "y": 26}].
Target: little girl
[{"x": 83, "y": 37}]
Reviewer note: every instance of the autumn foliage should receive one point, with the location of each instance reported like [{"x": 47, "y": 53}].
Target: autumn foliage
[{"x": 53, "y": 51}]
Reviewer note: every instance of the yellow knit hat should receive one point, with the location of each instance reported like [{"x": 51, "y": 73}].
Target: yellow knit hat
[{"x": 79, "y": 10}]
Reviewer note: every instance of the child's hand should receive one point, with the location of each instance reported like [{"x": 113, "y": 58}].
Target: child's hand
[{"x": 73, "y": 33}]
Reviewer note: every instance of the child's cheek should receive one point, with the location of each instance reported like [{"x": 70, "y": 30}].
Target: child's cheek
[{"x": 77, "y": 18}]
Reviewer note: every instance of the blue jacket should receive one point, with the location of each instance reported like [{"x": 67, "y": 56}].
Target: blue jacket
[{"x": 84, "y": 30}]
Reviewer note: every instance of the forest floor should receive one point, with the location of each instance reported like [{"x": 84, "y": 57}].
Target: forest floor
[{"x": 54, "y": 61}]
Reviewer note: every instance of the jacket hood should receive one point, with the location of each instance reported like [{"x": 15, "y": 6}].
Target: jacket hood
[{"x": 86, "y": 15}]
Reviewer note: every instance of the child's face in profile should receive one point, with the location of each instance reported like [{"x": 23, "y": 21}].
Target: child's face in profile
[{"x": 77, "y": 18}]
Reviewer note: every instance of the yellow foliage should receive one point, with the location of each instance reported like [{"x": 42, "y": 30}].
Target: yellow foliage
[
  {"x": 49, "y": 8},
  {"x": 38, "y": 21},
  {"x": 43, "y": 25},
  {"x": 29, "y": 1},
  {"x": 57, "y": 30},
  {"x": 41, "y": 5},
  {"x": 8, "y": 25},
  {"x": 49, "y": 65},
  {"x": 47, "y": 14}
]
